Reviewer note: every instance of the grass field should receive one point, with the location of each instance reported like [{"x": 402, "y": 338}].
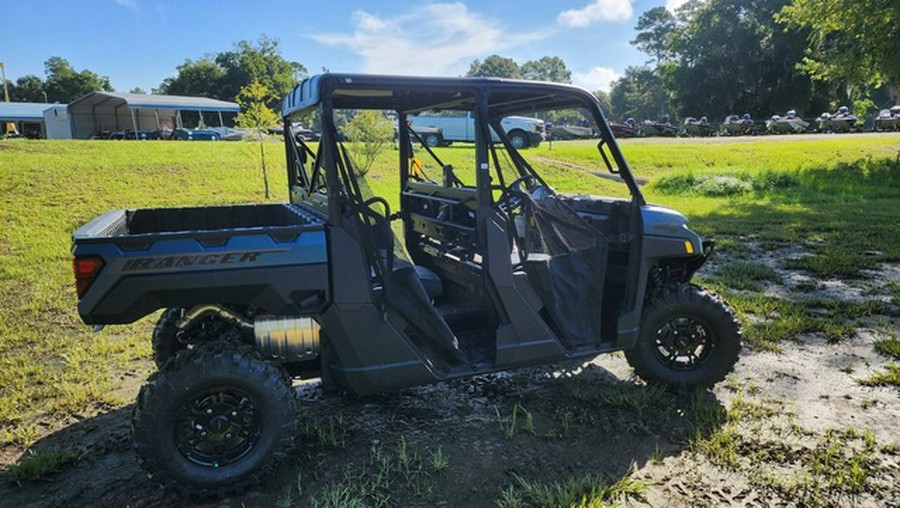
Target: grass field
[{"x": 837, "y": 198}]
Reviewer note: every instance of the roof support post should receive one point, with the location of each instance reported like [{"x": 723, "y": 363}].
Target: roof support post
[
  {"x": 178, "y": 123},
  {"x": 221, "y": 123},
  {"x": 116, "y": 114},
  {"x": 134, "y": 124},
  {"x": 156, "y": 114}
]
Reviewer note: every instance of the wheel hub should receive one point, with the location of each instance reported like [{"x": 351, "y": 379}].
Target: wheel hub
[
  {"x": 683, "y": 342},
  {"x": 217, "y": 428}
]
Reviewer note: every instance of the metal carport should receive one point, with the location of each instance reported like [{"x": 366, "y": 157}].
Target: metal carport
[
  {"x": 23, "y": 113},
  {"x": 99, "y": 112}
]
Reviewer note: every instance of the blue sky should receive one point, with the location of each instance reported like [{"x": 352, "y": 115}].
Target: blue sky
[{"x": 138, "y": 43}]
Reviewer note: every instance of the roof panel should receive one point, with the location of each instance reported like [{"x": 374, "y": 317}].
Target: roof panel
[
  {"x": 23, "y": 111},
  {"x": 144, "y": 101}
]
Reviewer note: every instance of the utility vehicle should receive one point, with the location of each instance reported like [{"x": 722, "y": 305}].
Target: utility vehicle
[{"x": 482, "y": 267}]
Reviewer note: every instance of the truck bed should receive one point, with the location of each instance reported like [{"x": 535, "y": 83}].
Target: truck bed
[{"x": 272, "y": 257}]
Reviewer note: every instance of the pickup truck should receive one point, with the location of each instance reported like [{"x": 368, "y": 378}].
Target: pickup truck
[{"x": 523, "y": 131}]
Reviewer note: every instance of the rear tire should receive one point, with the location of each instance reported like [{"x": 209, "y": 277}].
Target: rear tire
[
  {"x": 168, "y": 339},
  {"x": 165, "y": 341},
  {"x": 214, "y": 420},
  {"x": 689, "y": 337}
]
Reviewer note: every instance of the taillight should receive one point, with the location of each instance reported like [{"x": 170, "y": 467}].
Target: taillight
[{"x": 86, "y": 270}]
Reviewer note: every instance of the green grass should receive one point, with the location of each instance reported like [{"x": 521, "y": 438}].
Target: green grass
[
  {"x": 888, "y": 377},
  {"x": 587, "y": 491},
  {"x": 387, "y": 473},
  {"x": 746, "y": 275},
  {"x": 889, "y": 347},
  {"x": 836, "y": 197},
  {"x": 51, "y": 365},
  {"x": 38, "y": 465}
]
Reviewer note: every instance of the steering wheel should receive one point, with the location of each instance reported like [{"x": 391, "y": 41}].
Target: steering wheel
[{"x": 510, "y": 198}]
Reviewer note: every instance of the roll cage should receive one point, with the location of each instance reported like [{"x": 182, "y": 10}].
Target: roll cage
[{"x": 464, "y": 233}]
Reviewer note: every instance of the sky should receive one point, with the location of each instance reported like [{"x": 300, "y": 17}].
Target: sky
[{"x": 138, "y": 43}]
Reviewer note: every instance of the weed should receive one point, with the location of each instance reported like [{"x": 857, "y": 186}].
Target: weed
[
  {"x": 529, "y": 422},
  {"x": 286, "y": 500},
  {"x": 439, "y": 461},
  {"x": 586, "y": 491},
  {"x": 720, "y": 447},
  {"x": 637, "y": 398},
  {"x": 330, "y": 431},
  {"x": 889, "y": 347},
  {"x": 657, "y": 456},
  {"x": 509, "y": 426},
  {"x": 565, "y": 423},
  {"x": 38, "y": 465},
  {"x": 385, "y": 473},
  {"x": 888, "y": 377}
]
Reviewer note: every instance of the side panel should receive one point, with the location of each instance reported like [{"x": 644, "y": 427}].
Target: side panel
[{"x": 250, "y": 269}]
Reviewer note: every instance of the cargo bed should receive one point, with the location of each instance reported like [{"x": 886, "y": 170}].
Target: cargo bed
[{"x": 272, "y": 257}]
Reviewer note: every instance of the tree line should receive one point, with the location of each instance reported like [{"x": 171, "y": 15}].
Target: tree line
[
  {"x": 763, "y": 57},
  {"x": 713, "y": 58},
  {"x": 218, "y": 76}
]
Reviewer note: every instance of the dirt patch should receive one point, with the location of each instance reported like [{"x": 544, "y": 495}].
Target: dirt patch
[{"x": 775, "y": 432}]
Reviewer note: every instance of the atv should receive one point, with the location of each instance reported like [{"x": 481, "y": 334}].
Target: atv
[
  {"x": 460, "y": 267},
  {"x": 735, "y": 125},
  {"x": 840, "y": 121},
  {"x": 790, "y": 123},
  {"x": 888, "y": 120}
]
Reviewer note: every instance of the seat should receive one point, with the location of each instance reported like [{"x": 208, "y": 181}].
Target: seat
[{"x": 430, "y": 281}]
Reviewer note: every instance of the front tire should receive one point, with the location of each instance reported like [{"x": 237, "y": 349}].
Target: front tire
[
  {"x": 518, "y": 140},
  {"x": 214, "y": 420},
  {"x": 433, "y": 141},
  {"x": 689, "y": 337}
]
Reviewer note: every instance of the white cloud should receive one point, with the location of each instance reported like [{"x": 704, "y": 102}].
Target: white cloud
[
  {"x": 672, "y": 5},
  {"x": 599, "y": 10},
  {"x": 434, "y": 39},
  {"x": 598, "y": 78},
  {"x": 130, "y": 4}
]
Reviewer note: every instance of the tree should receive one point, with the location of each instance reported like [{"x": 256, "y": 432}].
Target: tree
[
  {"x": 639, "y": 94},
  {"x": 256, "y": 116},
  {"x": 853, "y": 41},
  {"x": 603, "y": 99},
  {"x": 731, "y": 56},
  {"x": 655, "y": 27},
  {"x": 65, "y": 84},
  {"x": 260, "y": 62},
  {"x": 138, "y": 90},
  {"x": 548, "y": 68},
  {"x": 28, "y": 88},
  {"x": 495, "y": 66},
  {"x": 223, "y": 75},
  {"x": 370, "y": 132},
  {"x": 197, "y": 78}
]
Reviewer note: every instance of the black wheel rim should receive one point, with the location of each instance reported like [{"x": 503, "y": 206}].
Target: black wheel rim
[
  {"x": 683, "y": 343},
  {"x": 218, "y": 427}
]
